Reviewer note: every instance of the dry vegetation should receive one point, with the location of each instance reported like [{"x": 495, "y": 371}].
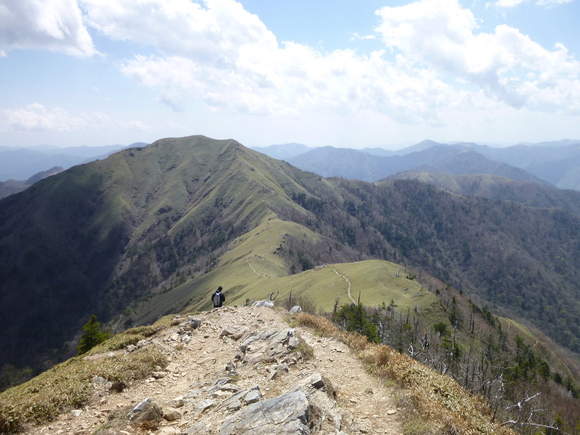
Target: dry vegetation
[
  {"x": 70, "y": 385},
  {"x": 434, "y": 403}
]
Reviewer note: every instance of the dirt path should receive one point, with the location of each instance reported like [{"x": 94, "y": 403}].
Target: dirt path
[
  {"x": 254, "y": 270},
  {"x": 349, "y": 285},
  {"x": 369, "y": 406}
]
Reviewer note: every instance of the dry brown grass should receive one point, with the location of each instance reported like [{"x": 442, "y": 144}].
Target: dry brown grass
[
  {"x": 320, "y": 324},
  {"x": 69, "y": 385},
  {"x": 443, "y": 406}
]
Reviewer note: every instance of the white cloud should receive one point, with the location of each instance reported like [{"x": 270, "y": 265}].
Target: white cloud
[
  {"x": 217, "y": 52},
  {"x": 36, "y": 117},
  {"x": 507, "y": 65},
  {"x": 54, "y": 25},
  {"x": 210, "y": 34},
  {"x": 508, "y": 3},
  {"x": 356, "y": 37}
]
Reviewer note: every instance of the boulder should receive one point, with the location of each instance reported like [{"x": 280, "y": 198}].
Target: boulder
[
  {"x": 270, "y": 345},
  {"x": 193, "y": 323},
  {"x": 176, "y": 403},
  {"x": 285, "y": 414},
  {"x": 320, "y": 395},
  {"x": 202, "y": 406},
  {"x": 265, "y": 303},
  {"x": 235, "y": 332},
  {"x": 243, "y": 397},
  {"x": 147, "y": 410},
  {"x": 171, "y": 414}
]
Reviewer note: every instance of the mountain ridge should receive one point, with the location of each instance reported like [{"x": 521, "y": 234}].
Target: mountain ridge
[{"x": 150, "y": 219}]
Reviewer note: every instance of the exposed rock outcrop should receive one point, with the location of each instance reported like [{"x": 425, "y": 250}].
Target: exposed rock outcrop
[{"x": 235, "y": 371}]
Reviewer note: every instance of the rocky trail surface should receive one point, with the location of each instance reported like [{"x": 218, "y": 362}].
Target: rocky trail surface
[{"x": 239, "y": 370}]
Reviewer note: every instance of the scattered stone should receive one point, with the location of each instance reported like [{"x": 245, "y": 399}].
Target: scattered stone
[
  {"x": 209, "y": 359},
  {"x": 144, "y": 342},
  {"x": 173, "y": 368},
  {"x": 277, "y": 370},
  {"x": 231, "y": 370},
  {"x": 252, "y": 396},
  {"x": 147, "y": 410},
  {"x": 171, "y": 414},
  {"x": 159, "y": 375},
  {"x": 202, "y": 406},
  {"x": 101, "y": 383},
  {"x": 178, "y": 402},
  {"x": 192, "y": 394},
  {"x": 217, "y": 402},
  {"x": 295, "y": 309},
  {"x": 235, "y": 332},
  {"x": 270, "y": 344}
]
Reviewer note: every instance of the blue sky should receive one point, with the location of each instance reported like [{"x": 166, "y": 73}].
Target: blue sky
[{"x": 343, "y": 73}]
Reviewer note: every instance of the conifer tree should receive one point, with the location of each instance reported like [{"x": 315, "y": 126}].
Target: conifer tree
[{"x": 92, "y": 335}]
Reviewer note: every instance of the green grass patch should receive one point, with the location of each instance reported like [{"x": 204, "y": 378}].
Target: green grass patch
[{"x": 252, "y": 269}]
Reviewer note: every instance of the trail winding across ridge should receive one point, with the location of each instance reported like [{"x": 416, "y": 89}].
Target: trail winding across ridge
[
  {"x": 269, "y": 229},
  {"x": 349, "y": 284}
]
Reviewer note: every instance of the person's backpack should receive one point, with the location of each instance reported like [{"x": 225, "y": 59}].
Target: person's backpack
[{"x": 217, "y": 299}]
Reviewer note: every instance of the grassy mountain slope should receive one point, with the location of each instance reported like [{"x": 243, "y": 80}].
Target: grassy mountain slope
[
  {"x": 253, "y": 268},
  {"x": 98, "y": 236}
]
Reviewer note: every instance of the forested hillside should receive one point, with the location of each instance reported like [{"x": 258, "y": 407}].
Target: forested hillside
[
  {"x": 499, "y": 188},
  {"x": 521, "y": 258}
]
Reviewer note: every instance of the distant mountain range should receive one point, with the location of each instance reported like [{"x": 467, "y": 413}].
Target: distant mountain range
[
  {"x": 545, "y": 163},
  {"x": 23, "y": 163},
  {"x": 11, "y": 187}
]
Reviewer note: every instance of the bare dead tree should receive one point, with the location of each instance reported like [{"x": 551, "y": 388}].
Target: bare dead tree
[{"x": 524, "y": 414}]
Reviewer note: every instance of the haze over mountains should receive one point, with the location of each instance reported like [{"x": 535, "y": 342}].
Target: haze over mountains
[
  {"x": 547, "y": 163},
  {"x": 17, "y": 163}
]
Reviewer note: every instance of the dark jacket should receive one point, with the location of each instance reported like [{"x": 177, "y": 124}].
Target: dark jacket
[{"x": 218, "y": 298}]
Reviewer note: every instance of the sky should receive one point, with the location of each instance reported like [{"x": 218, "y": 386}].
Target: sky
[{"x": 345, "y": 73}]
